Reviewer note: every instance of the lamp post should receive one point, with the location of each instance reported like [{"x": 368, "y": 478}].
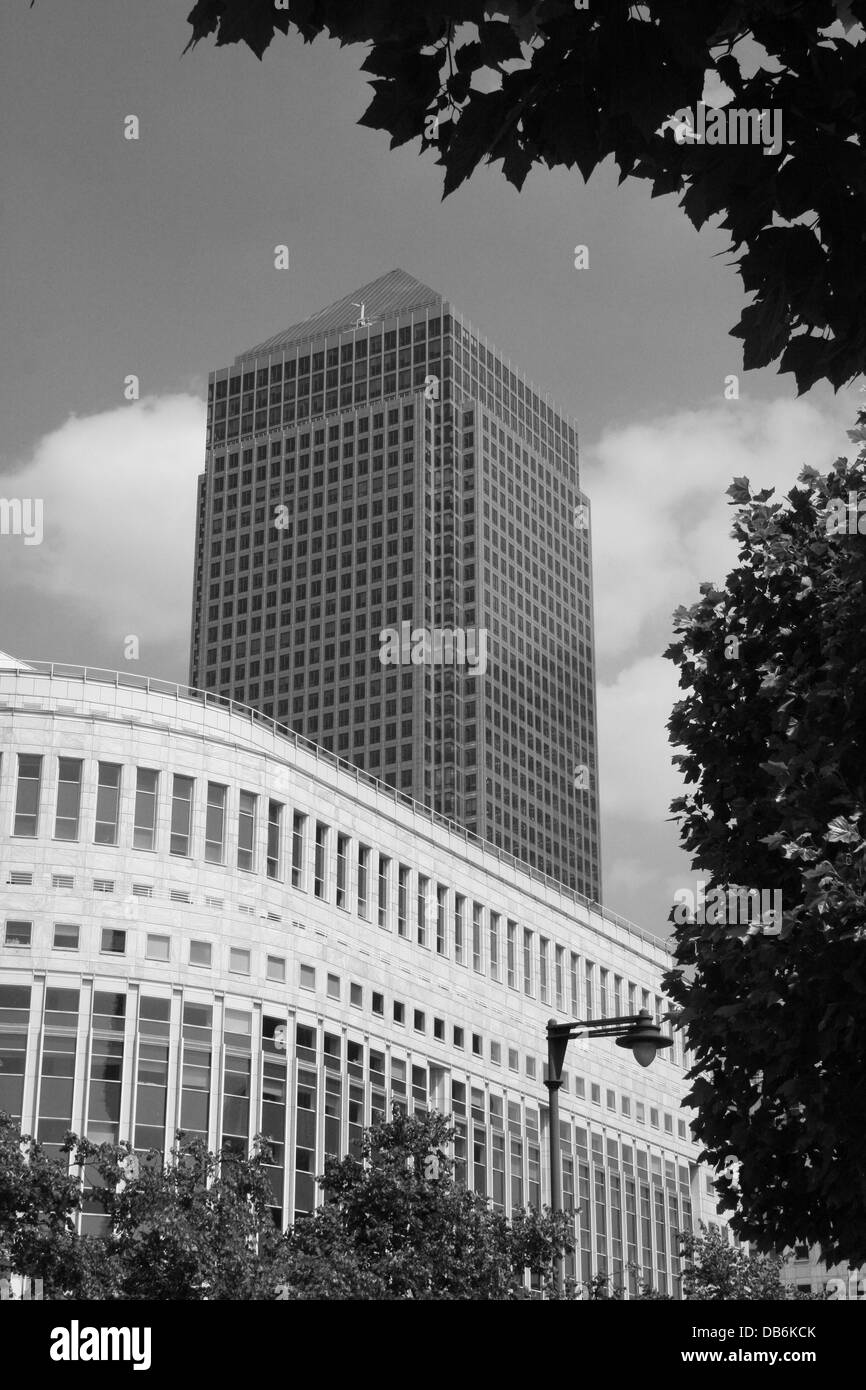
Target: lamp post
[{"x": 639, "y": 1032}]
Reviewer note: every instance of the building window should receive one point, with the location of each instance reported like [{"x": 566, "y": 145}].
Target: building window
[
  {"x": 239, "y": 961},
  {"x": 403, "y": 900},
  {"x": 399, "y": 1012},
  {"x": 363, "y": 881},
  {"x": 420, "y": 1022},
  {"x": 342, "y": 880},
  {"x": 458, "y": 1037},
  {"x": 511, "y": 954},
  {"x": 215, "y": 824},
  {"x": 277, "y": 969},
  {"x": 247, "y": 830},
  {"x": 27, "y": 795},
  {"x": 320, "y": 867},
  {"x": 113, "y": 941},
  {"x": 544, "y": 969},
  {"x": 560, "y": 978},
  {"x": 589, "y": 987},
  {"x": 107, "y": 804},
  {"x": 181, "y": 814},
  {"x": 459, "y": 929},
  {"x": 66, "y": 937},
  {"x": 333, "y": 986},
  {"x": 200, "y": 953},
  {"x": 18, "y": 933},
  {"x": 378, "y": 1004},
  {"x": 603, "y": 977},
  {"x": 494, "y": 945},
  {"x": 496, "y": 1054},
  {"x": 144, "y": 820},
  {"x": 439, "y": 1029},
  {"x": 275, "y": 839},
  {"x": 356, "y": 995},
  {"x": 308, "y": 977},
  {"x": 68, "y": 799},
  {"x": 527, "y": 961},
  {"x": 478, "y": 938},
  {"x": 158, "y": 947},
  {"x": 299, "y": 827},
  {"x": 441, "y": 927},
  {"x": 384, "y": 876},
  {"x": 574, "y": 981},
  {"x": 513, "y": 1059},
  {"x": 423, "y": 888},
  {"x": 477, "y": 1047}
]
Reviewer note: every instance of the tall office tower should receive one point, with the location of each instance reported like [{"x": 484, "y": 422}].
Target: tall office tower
[{"x": 393, "y": 559}]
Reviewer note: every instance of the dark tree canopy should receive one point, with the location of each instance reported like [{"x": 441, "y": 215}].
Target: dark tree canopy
[
  {"x": 542, "y": 82},
  {"x": 774, "y": 733}
]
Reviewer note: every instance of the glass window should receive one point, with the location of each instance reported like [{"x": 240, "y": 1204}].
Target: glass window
[
  {"x": 200, "y": 953},
  {"x": 342, "y": 854},
  {"x": 158, "y": 947},
  {"x": 276, "y": 968},
  {"x": 299, "y": 824},
  {"x": 181, "y": 814},
  {"x": 356, "y": 995},
  {"x": 247, "y": 830},
  {"x": 107, "y": 804},
  {"x": 384, "y": 875},
  {"x": 308, "y": 977},
  {"x": 66, "y": 937},
  {"x": 68, "y": 798},
  {"x": 215, "y": 824},
  {"x": 18, "y": 933},
  {"x": 333, "y": 986},
  {"x": 144, "y": 827},
  {"x": 320, "y": 863},
  {"x": 275, "y": 839},
  {"x": 239, "y": 961},
  {"x": 423, "y": 889},
  {"x": 113, "y": 941},
  {"x": 363, "y": 881},
  {"x": 477, "y": 937},
  {"x": 378, "y": 1003},
  {"x": 27, "y": 794}
]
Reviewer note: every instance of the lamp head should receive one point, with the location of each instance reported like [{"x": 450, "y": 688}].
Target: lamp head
[{"x": 644, "y": 1038}]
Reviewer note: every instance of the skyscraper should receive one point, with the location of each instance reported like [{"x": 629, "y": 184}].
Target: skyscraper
[{"x": 394, "y": 560}]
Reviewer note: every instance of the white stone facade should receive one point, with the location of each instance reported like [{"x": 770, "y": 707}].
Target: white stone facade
[{"x": 469, "y": 1038}]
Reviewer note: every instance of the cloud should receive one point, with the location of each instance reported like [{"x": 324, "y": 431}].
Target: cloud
[
  {"x": 660, "y": 525},
  {"x": 118, "y": 491},
  {"x": 660, "y": 518}
]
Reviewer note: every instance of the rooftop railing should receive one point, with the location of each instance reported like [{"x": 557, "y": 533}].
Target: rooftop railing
[{"x": 151, "y": 685}]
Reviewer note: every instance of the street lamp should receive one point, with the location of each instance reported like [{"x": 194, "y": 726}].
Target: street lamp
[{"x": 639, "y": 1032}]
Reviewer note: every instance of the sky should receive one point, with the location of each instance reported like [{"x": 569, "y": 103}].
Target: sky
[{"x": 155, "y": 258}]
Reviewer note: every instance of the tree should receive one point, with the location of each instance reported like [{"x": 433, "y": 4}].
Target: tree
[
  {"x": 396, "y": 1225},
  {"x": 38, "y": 1202},
  {"x": 774, "y": 733},
  {"x": 195, "y": 1228},
  {"x": 549, "y": 82},
  {"x": 714, "y": 1270}
]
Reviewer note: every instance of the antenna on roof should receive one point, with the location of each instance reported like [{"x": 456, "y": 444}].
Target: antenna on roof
[{"x": 363, "y": 321}]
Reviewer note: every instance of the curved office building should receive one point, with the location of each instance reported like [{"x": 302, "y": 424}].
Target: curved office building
[{"x": 210, "y": 924}]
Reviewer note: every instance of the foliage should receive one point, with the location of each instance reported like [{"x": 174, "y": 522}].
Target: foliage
[
  {"x": 774, "y": 732},
  {"x": 396, "y": 1225},
  {"x": 37, "y": 1206},
  {"x": 544, "y": 82},
  {"x": 714, "y": 1270}
]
